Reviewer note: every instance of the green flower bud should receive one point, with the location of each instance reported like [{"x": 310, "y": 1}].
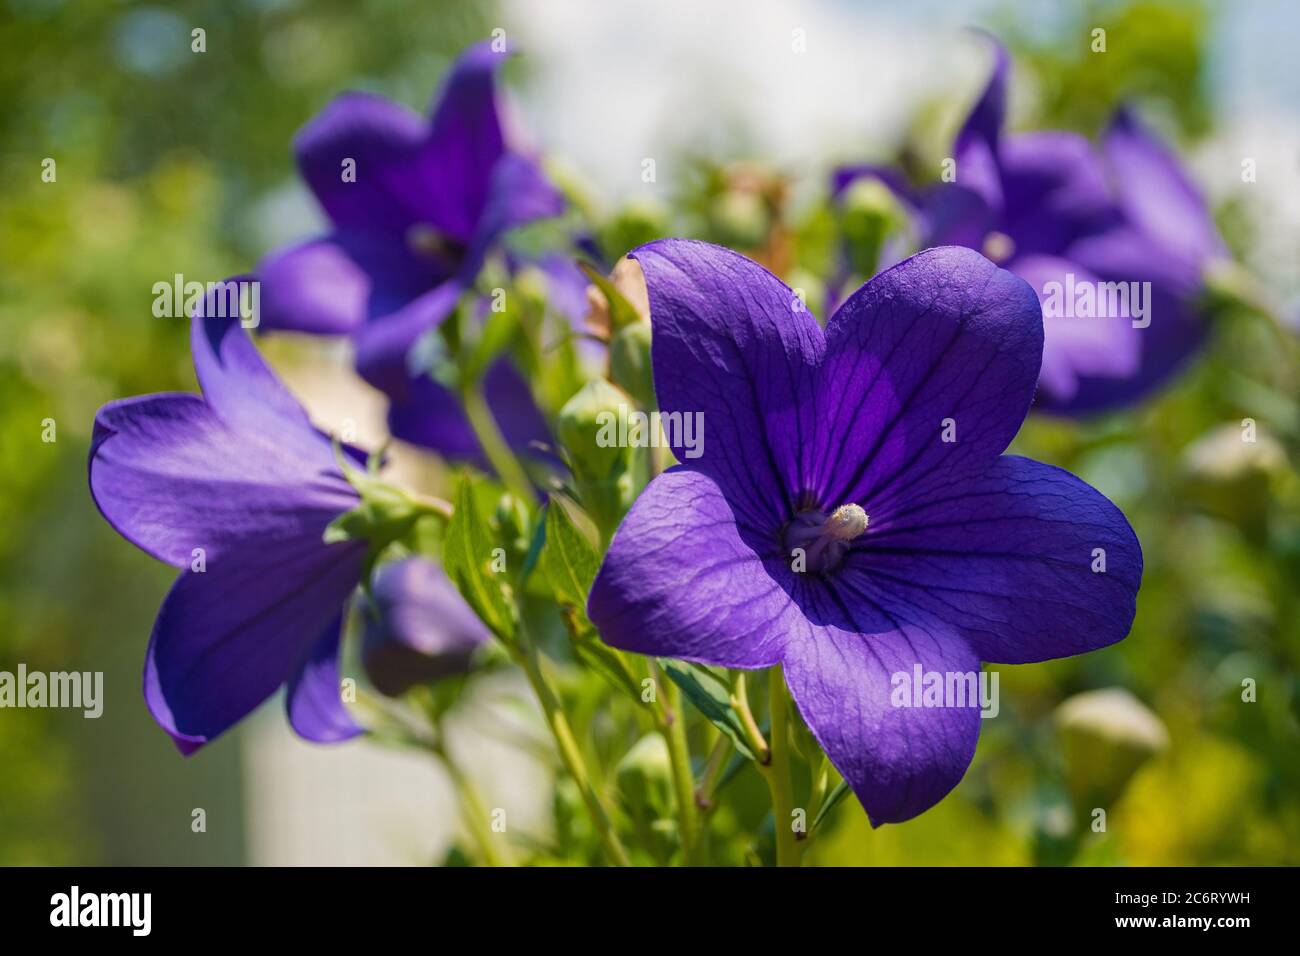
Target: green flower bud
[
  {"x": 629, "y": 363},
  {"x": 514, "y": 524},
  {"x": 587, "y": 427},
  {"x": 740, "y": 218},
  {"x": 1228, "y": 471},
  {"x": 1106, "y": 736},
  {"x": 869, "y": 214},
  {"x": 641, "y": 221}
]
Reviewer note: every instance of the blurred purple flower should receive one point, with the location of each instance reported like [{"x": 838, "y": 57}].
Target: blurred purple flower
[
  {"x": 415, "y": 206},
  {"x": 426, "y": 413},
  {"x": 236, "y": 488},
  {"x": 1052, "y": 208},
  {"x": 417, "y": 627},
  {"x": 875, "y": 449}
]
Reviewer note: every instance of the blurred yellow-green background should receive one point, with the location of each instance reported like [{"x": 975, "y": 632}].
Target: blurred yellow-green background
[{"x": 174, "y": 161}]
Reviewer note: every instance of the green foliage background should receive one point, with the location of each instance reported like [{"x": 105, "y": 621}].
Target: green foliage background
[{"x": 163, "y": 159}]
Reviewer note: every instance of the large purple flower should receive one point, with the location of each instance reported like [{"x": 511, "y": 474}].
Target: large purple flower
[
  {"x": 236, "y": 488},
  {"x": 414, "y": 205},
  {"x": 852, "y": 516},
  {"x": 1050, "y": 207}
]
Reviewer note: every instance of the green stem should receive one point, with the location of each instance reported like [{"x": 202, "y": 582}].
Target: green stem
[
  {"x": 712, "y": 771},
  {"x": 778, "y": 771},
  {"x": 673, "y": 729},
  {"x": 495, "y": 449},
  {"x": 571, "y": 755},
  {"x": 475, "y": 814},
  {"x": 753, "y": 736}
]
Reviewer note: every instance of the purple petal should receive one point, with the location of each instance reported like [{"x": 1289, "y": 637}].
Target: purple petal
[
  {"x": 733, "y": 343},
  {"x": 430, "y": 415},
  {"x": 386, "y": 142},
  {"x": 962, "y": 212},
  {"x": 171, "y": 476},
  {"x": 1177, "y": 326},
  {"x": 464, "y": 144},
  {"x": 313, "y": 287},
  {"x": 1054, "y": 191},
  {"x": 228, "y": 637},
  {"x": 382, "y": 345},
  {"x": 313, "y": 699},
  {"x": 988, "y": 115},
  {"x": 929, "y": 371},
  {"x": 566, "y": 286},
  {"x": 899, "y": 760},
  {"x": 332, "y": 285},
  {"x": 679, "y": 580},
  {"x": 243, "y": 391},
  {"x": 1156, "y": 194},
  {"x": 418, "y": 628},
  {"x": 1009, "y": 561},
  {"x": 1077, "y": 347},
  {"x": 518, "y": 193}
]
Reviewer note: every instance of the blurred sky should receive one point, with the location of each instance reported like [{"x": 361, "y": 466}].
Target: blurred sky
[
  {"x": 652, "y": 76},
  {"x": 653, "y": 79}
]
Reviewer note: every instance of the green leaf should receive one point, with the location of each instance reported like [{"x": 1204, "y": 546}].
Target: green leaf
[
  {"x": 467, "y": 557},
  {"x": 621, "y": 311},
  {"x": 568, "y": 558},
  {"x": 839, "y": 793},
  {"x": 711, "y": 696}
]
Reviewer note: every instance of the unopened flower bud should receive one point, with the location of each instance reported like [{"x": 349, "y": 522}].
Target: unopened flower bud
[
  {"x": 587, "y": 426},
  {"x": 513, "y": 521},
  {"x": 629, "y": 363},
  {"x": 641, "y": 221},
  {"x": 1106, "y": 736},
  {"x": 1228, "y": 471},
  {"x": 869, "y": 213}
]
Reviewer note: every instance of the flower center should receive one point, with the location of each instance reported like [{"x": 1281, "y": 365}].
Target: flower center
[
  {"x": 816, "y": 543},
  {"x": 430, "y": 243}
]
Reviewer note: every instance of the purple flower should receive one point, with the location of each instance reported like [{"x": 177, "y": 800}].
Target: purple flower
[
  {"x": 852, "y": 516},
  {"x": 414, "y": 205},
  {"x": 418, "y": 628},
  {"x": 1053, "y": 209},
  {"x": 426, "y": 413},
  {"x": 236, "y": 488}
]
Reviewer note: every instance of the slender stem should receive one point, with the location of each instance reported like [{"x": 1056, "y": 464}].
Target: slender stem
[
  {"x": 712, "y": 770},
  {"x": 778, "y": 772},
  {"x": 820, "y": 781},
  {"x": 475, "y": 814},
  {"x": 571, "y": 755},
  {"x": 754, "y": 736},
  {"x": 495, "y": 448},
  {"x": 673, "y": 729}
]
